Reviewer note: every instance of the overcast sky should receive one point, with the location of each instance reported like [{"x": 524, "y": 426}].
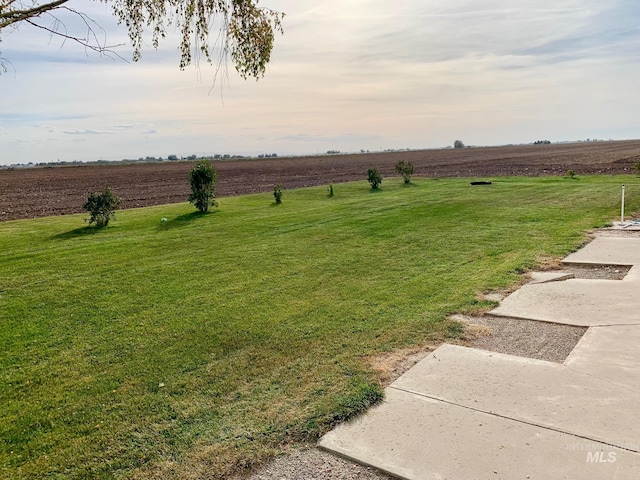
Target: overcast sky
[{"x": 346, "y": 75}]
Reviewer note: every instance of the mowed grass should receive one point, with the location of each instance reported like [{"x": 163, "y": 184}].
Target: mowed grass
[{"x": 205, "y": 343}]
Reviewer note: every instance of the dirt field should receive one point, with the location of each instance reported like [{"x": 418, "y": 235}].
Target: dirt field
[{"x": 37, "y": 192}]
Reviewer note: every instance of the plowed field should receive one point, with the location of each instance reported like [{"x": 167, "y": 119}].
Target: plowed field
[{"x": 37, "y": 192}]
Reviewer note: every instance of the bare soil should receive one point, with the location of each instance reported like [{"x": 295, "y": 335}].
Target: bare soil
[{"x": 45, "y": 191}]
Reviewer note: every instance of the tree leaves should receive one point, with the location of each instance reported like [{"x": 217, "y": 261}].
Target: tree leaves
[
  {"x": 237, "y": 27},
  {"x": 244, "y": 29}
]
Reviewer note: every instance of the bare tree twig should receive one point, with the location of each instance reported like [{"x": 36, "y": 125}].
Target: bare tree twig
[
  {"x": 106, "y": 50},
  {"x": 92, "y": 25}
]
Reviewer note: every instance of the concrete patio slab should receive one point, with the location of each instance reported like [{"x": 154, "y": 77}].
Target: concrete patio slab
[
  {"x": 575, "y": 302},
  {"x": 633, "y": 275},
  {"x": 608, "y": 251},
  {"x": 546, "y": 277},
  {"x": 532, "y": 391},
  {"x": 611, "y": 354},
  {"x": 418, "y": 438}
]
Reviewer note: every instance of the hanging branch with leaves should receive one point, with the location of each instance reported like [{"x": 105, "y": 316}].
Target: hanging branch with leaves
[{"x": 242, "y": 29}]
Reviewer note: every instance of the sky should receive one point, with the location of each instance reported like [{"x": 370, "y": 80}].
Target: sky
[{"x": 346, "y": 75}]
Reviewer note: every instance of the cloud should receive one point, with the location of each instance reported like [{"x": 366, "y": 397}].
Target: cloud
[
  {"x": 87, "y": 132},
  {"x": 37, "y": 119},
  {"x": 303, "y": 137},
  {"x": 435, "y": 32},
  {"x": 345, "y": 75}
]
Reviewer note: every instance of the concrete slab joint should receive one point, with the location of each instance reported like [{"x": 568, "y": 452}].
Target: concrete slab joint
[{"x": 463, "y": 413}]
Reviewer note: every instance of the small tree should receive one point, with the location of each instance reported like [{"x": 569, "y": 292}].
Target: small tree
[
  {"x": 458, "y": 144},
  {"x": 374, "y": 178},
  {"x": 203, "y": 183},
  {"x": 637, "y": 167},
  {"x": 405, "y": 169},
  {"x": 277, "y": 193},
  {"x": 102, "y": 207}
]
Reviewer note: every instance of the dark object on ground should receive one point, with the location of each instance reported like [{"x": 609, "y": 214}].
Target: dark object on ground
[{"x": 480, "y": 183}]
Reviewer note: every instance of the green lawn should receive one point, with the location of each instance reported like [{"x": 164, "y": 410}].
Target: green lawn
[{"x": 206, "y": 342}]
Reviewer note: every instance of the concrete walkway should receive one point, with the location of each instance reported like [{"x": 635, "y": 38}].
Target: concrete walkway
[
  {"x": 585, "y": 302},
  {"x": 464, "y": 413}
]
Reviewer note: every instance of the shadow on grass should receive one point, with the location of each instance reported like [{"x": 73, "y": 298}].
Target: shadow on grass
[
  {"x": 79, "y": 232},
  {"x": 186, "y": 219}
]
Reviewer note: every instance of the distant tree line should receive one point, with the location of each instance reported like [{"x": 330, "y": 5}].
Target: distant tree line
[{"x": 148, "y": 159}]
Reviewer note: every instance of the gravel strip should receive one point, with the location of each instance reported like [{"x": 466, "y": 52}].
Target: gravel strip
[
  {"x": 601, "y": 272},
  {"x": 524, "y": 338},
  {"x": 618, "y": 233},
  {"x": 311, "y": 463}
]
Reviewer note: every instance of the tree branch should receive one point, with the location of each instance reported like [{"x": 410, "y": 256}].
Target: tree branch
[
  {"x": 14, "y": 16},
  {"x": 97, "y": 47},
  {"x": 246, "y": 33},
  {"x": 5, "y": 4}
]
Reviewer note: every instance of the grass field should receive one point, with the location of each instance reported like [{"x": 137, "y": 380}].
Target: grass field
[{"x": 206, "y": 342}]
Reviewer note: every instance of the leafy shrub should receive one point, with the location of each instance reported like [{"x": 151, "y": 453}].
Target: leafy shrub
[
  {"x": 637, "y": 167},
  {"x": 277, "y": 193},
  {"x": 571, "y": 174},
  {"x": 203, "y": 182},
  {"x": 331, "y": 190},
  {"x": 374, "y": 178},
  {"x": 405, "y": 169},
  {"x": 101, "y": 207}
]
